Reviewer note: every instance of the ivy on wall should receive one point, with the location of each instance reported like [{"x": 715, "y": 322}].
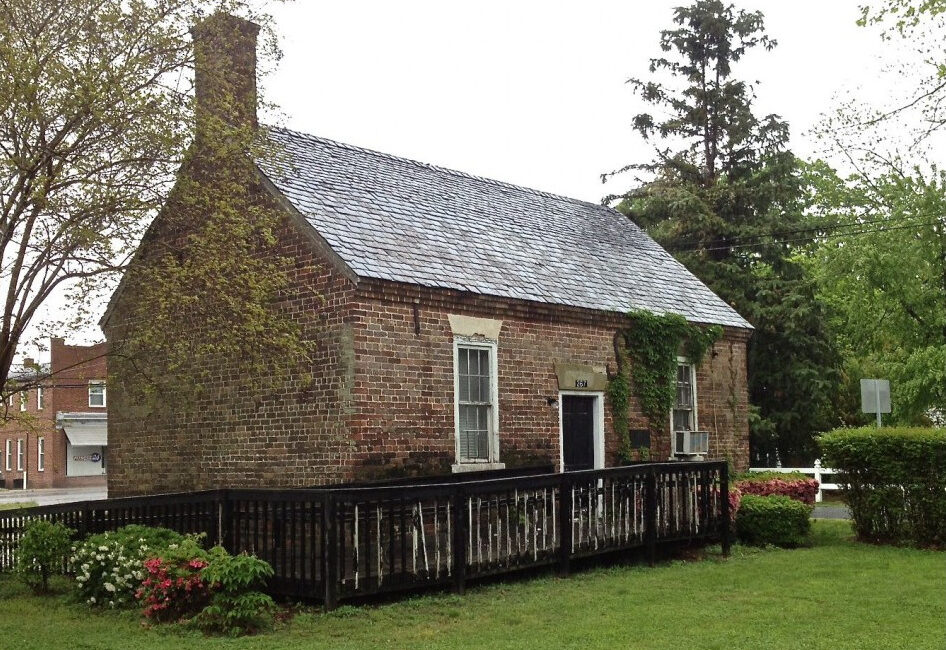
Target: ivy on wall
[{"x": 646, "y": 352}]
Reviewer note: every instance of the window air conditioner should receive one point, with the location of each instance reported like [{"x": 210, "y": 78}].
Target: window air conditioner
[{"x": 691, "y": 443}]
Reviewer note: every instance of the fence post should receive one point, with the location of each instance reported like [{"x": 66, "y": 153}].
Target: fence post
[
  {"x": 330, "y": 555},
  {"x": 724, "y": 495},
  {"x": 650, "y": 512},
  {"x": 817, "y": 468},
  {"x": 226, "y": 533},
  {"x": 458, "y": 543},
  {"x": 565, "y": 524}
]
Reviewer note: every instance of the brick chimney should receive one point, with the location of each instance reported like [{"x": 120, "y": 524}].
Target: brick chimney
[{"x": 225, "y": 72}]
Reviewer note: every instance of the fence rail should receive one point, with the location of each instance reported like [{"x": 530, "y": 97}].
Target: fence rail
[
  {"x": 817, "y": 472},
  {"x": 330, "y": 544}
]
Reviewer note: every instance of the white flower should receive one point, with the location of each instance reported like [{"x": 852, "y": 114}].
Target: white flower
[
  {"x": 92, "y": 600},
  {"x": 103, "y": 548},
  {"x": 109, "y": 586}
]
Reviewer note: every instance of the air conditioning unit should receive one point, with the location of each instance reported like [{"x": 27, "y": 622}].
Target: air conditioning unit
[{"x": 691, "y": 443}]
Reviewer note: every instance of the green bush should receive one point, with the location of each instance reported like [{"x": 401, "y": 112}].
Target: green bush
[
  {"x": 237, "y": 606},
  {"x": 42, "y": 552},
  {"x": 762, "y": 477},
  {"x": 109, "y": 567},
  {"x": 894, "y": 480},
  {"x": 775, "y": 519}
]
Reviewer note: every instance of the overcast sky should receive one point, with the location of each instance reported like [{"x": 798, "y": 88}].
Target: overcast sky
[{"x": 534, "y": 92}]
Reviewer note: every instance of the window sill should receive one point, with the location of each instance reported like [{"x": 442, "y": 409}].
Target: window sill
[{"x": 460, "y": 468}]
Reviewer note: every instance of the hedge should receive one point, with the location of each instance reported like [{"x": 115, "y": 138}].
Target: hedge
[
  {"x": 894, "y": 480},
  {"x": 793, "y": 485},
  {"x": 775, "y": 519}
]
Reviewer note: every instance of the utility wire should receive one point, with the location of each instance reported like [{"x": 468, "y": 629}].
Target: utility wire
[
  {"x": 686, "y": 244},
  {"x": 803, "y": 239}
]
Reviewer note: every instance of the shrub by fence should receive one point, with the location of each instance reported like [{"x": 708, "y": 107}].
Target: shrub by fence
[
  {"x": 334, "y": 543},
  {"x": 774, "y": 519},
  {"x": 895, "y": 482}
]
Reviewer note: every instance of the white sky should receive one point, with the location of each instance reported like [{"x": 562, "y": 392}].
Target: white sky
[{"x": 533, "y": 92}]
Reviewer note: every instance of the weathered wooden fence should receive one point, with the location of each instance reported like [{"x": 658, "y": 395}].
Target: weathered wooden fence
[{"x": 344, "y": 542}]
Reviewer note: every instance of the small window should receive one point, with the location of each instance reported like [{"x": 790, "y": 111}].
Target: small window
[
  {"x": 9, "y": 459},
  {"x": 41, "y": 454},
  {"x": 684, "y": 408},
  {"x": 476, "y": 403},
  {"x": 19, "y": 454},
  {"x": 39, "y": 398},
  {"x": 97, "y": 393},
  {"x": 22, "y": 400}
]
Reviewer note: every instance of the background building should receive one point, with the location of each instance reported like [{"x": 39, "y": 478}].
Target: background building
[{"x": 56, "y": 428}]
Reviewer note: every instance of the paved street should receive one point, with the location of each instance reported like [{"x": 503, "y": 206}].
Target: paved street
[
  {"x": 53, "y": 495},
  {"x": 831, "y": 511}
]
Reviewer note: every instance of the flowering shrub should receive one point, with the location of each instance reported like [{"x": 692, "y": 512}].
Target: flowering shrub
[
  {"x": 237, "y": 607},
  {"x": 42, "y": 549},
  {"x": 109, "y": 567},
  {"x": 216, "y": 591},
  {"x": 735, "y": 499},
  {"x": 798, "y": 487},
  {"x": 173, "y": 588}
]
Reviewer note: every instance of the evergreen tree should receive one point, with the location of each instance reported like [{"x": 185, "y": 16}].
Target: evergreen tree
[{"x": 727, "y": 197}]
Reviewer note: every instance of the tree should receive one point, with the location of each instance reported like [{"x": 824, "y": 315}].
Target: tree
[
  {"x": 884, "y": 272},
  {"x": 723, "y": 193},
  {"x": 96, "y": 116}
]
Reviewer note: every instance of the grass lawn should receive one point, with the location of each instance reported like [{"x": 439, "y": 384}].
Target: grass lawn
[
  {"x": 17, "y": 504},
  {"x": 838, "y": 594}
]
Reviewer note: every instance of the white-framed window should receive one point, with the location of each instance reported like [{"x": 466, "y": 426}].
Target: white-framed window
[
  {"x": 19, "y": 455},
  {"x": 97, "y": 393},
  {"x": 39, "y": 398},
  {"x": 683, "y": 417},
  {"x": 41, "y": 454},
  {"x": 9, "y": 455},
  {"x": 476, "y": 403},
  {"x": 22, "y": 400}
]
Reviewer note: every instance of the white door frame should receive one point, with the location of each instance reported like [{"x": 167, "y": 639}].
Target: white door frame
[{"x": 598, "y": 426}]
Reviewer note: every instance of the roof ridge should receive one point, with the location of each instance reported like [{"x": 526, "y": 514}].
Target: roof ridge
[{"x": 440, "y": 168}]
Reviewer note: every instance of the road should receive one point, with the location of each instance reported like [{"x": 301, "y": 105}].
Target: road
[{"x": 51, "y": 496}]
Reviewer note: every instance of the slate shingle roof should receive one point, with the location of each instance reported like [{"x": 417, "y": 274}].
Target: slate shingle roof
[{"x": 397, "y": 219}]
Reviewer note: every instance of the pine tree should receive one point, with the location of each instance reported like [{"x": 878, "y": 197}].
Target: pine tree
[{"x": 724, "y": 193}]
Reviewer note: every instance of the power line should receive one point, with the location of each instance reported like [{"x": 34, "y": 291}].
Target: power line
[
  {"x": 805, "y": 239},
  {"x": 692, "y": 245}
]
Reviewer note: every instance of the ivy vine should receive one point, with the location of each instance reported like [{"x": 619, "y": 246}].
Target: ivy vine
[{"x": 646, "y": 352}]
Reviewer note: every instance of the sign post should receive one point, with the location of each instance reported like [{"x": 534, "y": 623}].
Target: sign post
[{"x": 875, "y": 397}]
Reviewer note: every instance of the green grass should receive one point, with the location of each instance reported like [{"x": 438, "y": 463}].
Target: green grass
[
  {"x": 17, "y": 504},
  {"x": 837, "y": 594}
]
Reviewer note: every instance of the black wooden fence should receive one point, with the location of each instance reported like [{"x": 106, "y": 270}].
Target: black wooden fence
[{"x": 346, "y": 542}]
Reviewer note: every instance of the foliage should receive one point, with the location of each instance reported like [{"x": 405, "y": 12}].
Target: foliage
[
  {"x": 766, "y": 476},
  {"x": 97, "y": 114},
  {"x": 174, "y": 588},
  {"x": 237, "y": 607},
  {"x": 652, "y": 365},
  {"x": 887, "y": 287},
  {"x": 42, "y": 552},
  {"x": 720, "y": 192},
  {"x": 776, "y": 519},
  {"x": 802, "y": 489},
  {"x": 109, "y": 566},
  {"x": 894, "y": 482}
]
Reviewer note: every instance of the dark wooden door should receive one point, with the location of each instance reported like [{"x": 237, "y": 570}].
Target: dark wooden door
[{"x": 578, "y": 432}]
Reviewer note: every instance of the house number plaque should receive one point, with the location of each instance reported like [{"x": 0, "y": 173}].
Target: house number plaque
[{"x": 581, "y": 383}]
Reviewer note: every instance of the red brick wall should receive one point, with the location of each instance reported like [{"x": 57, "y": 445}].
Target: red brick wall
[
  {"x": 67, "y": 390},
  {"x": 404, "y": 387},
  {"x": 381, "y": 403},
  {"x": 295, "y": 434}
]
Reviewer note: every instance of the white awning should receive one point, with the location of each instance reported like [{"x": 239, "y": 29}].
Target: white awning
[{"x": 86, "y": 434}]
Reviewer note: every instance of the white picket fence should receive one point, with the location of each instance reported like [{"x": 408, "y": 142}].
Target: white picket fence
[{"x": 815, "y": 472}]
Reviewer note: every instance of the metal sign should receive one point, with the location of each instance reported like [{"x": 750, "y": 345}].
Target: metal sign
[{"x": 875, "y": 397}]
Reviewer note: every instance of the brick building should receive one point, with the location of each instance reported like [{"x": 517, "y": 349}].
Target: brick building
[
  {"x": 463, "y": 324},
  {"x": 56, "y": 430}
]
